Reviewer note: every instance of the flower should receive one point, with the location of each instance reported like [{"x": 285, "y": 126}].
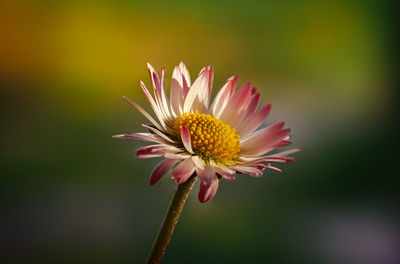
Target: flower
[{"x": 214, "y": 142}]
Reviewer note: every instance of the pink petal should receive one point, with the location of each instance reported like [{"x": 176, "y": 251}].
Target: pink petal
[
  {"x": 282, "y": 143},
  {"x": 238, "y": 102},
  {"x": 150, "y": 151},
  {"x": 227, "y": 175},
  {"x": 255, "y": 102},
  {"x": 268, "y": 159},
  {"x": 206, "y": 173},
  {"x": 186, "y": 140},
  {"x": 223, "y": 96},
  {"x": 254, "y": 172},
  {"x": 198, "y": 96},
  {"x": 279, "y": 159},
  {"x": 161, "y": 169},
  {"x": 243, "y": 116},
  {"x": 286, "y": 153},
  {"x": 183, "y": 171},
  {"x": 253, "y": 121},
  {"x": 263, "y": 140},
  {"x": 143, "y": 112},
  {"x": 208, "y": 190}
]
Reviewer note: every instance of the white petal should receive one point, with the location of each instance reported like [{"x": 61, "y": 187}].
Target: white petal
[
  {"x": 223, "y": 96},
  {"x": 186, "y": 77},
  {"x": 198, "y": 162},
  {"x": 186, "y": 140},
  {"x": 158, "y": 132},
  {"x": 153, "y": 104},
  {"x": 164, "y": 100},
  {"x": 176, "y": 92},
  {"x": 143, "y": 112},
  {"x": 199, "y": 94},
  {"x": 142, "y": 136}
]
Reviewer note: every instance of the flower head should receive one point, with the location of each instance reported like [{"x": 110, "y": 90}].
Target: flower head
[{"x": 214, "y": 142}]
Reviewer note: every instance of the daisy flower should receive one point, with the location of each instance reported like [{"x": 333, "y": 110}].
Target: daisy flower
[{"x": 214, "y": 142}]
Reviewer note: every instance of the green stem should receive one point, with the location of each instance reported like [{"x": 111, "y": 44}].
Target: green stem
[{"x": 170, "y": 220}]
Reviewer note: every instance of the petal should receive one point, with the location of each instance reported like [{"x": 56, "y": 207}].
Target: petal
[
  {"x": 150, "y": 151},
  {"x": 183, "y": 171},
  {"x": 273, "y": 168},
  {"x": 143, "y": 112},
  {"x": 159, "y": 89},
  {"x": 176, "y": 92},
  {"x": 238, "y": 102},
  {"x": 164, "y": 100},
  {"x": 153, "y": 104},
  {"x": 278, "y": 159},
  {"x": 205, "y": 174},
  {"x": 223, "y": 96},
  {"x": 227, "y": 175},
  {"x": 248, "y": 111},
  {"x": 186, "y": 77},
  {"x": 141, "y": 136},
  {"x": 252, "y": 171},
  {"x": 156, "y": 151},
  {"x": 161, "y": 169},
  {"x": 266, "y": 159},
  {"x": 285, "y": 153},
  {"x": 155, "y": 79},
  {"x": 179, "y": 156},
  {"x": 198, "y": 162},
  {"x": 186, "y": 140},
  {"x": 198, "y": 96},
  {"x": 283, "y": 143},
  {"x": 263, "y": 140},
  {"x": 253, "y": 121},
  {"x": 158, "y": 132},
  {"x": 208, "y": 190}
]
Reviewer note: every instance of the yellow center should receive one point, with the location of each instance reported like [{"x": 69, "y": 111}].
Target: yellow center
[{"x": 211, "y": 138}]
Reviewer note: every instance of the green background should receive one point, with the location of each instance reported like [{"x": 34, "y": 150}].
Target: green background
[{"x": 71, "y": 194}]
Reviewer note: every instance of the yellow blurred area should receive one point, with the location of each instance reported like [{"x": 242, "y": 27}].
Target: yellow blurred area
[{"x": 328, "y": 49}]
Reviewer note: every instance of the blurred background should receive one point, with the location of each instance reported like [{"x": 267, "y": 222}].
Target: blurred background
[{"x": 70, "y": 194}]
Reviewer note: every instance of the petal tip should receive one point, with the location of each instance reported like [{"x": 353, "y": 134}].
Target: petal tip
[{"x": 118, "y": 136}]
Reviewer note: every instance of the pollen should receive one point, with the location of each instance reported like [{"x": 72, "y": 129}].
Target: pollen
[{"x": 211, "y": 138}]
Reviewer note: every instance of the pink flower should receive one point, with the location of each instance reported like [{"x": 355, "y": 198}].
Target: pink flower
[{"x": 216, "y": 141}]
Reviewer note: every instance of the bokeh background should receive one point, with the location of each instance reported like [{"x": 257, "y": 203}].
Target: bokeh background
[{"x": 70, "y": 194}]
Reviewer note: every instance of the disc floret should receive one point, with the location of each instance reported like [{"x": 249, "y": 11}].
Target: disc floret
[{"x": 211, "y": 138}]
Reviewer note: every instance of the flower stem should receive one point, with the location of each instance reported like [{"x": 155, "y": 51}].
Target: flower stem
[{"x": 170, "y": 220}]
